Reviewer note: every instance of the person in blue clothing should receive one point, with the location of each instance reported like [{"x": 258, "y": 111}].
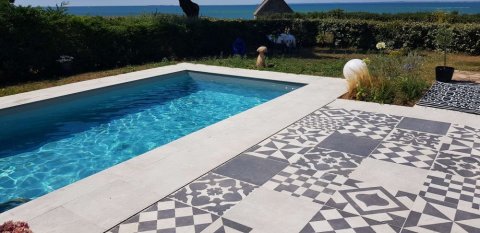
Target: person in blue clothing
[{"x": 239, "y": 47}]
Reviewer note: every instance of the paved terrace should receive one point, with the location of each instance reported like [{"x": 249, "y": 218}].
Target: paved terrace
[
  {"x": 345, "y": 166},
  {"x": 335, "y": 170}
]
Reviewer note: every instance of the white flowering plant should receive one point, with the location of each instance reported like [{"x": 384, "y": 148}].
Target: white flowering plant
[{"x": 381, "y": 46}]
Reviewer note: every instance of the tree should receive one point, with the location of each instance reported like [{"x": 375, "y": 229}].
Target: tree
[{"x": 190, "y": 8}]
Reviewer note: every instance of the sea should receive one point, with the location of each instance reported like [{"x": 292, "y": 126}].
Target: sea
[{"x": 246, "y": 11}]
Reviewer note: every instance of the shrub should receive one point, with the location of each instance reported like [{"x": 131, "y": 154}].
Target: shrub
[
  {"x": 15, "y": 227},
  {"x": 429, "y": 17},
  {"x": 392, "y": 79}
]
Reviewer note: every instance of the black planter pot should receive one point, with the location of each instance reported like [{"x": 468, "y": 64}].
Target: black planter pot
[{"x": 444, "y": 73}]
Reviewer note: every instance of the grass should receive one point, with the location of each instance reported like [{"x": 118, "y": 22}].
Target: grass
[
  {"x": 31, "y": 86},
  {"x": 330, "y": 67},
  {"x": 317, "y": 61}
]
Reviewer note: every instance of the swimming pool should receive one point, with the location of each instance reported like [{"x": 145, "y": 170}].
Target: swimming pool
[{"x": 49, "y": 144}]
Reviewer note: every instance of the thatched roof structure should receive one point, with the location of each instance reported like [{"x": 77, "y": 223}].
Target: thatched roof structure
[{"x": 271, "y": 7}]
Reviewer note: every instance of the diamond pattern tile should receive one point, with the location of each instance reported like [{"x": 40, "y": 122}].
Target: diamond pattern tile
[
  {"x": 304, "y": 183},
  {"x": 374, "y": 202},
  {"x": 405, "y": 155},
  {"x": 167, "y": 216},
  {"x": 458, "y": 190},
  {"x": 329, "y": 220}
]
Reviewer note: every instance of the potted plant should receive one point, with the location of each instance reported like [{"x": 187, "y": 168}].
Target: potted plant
[{"x": 443, "y": 40}]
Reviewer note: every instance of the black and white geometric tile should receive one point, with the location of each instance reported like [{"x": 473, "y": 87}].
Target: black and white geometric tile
[
  {"x": 414, "y": 138},
  {"x": 374, "y": 202},
  {"x": 462, "y": 147},
  {"x": 167, "y": 216},
  {"x": 326, "y": 120},
  {"x": 282, "y": 150},
  {"x": 362, "y": 128},
  {"x": 316, "y": 158},
  {"x": 329, "y": 220},
  {"x": 405, "y": 155},
  {"x": 463, "y": 192},
  {"x": 331, "y": 161},
  {"x": 374, "y": 125},
  {"x": 213, "y": 193},
  {"x": 337, "y": 113},
  {"x": 380, "y": 119},
  {"x": 288, "y": 144},
  {"x": 321, "y": 122},
  {"x": 453, "y": 96},
  {"x": 463, "y": 165},
  {"x": 430, "y": 215},
  {"x": 464, "y": 132},
  {"x": 223, "y": 225},
  {"x": 305, "y": 183},
  {"x": 301, "y": 136}
]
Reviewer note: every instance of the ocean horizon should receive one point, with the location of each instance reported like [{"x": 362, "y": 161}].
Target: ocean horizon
[{"x": 246, "y": 11}]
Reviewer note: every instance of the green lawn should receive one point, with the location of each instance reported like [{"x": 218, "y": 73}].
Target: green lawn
[
  {"x": 330, "y": 67},
  {"x": 317, "y": 61}
]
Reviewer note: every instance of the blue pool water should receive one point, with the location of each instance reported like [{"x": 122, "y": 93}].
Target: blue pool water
[{"x": 48, "y": 145}]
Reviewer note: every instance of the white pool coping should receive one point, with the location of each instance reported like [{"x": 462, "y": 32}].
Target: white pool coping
[{"x": 99, "y": 202}]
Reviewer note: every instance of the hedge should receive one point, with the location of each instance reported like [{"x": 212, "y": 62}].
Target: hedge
[
  {"x": 365, "y": 34},
  {"x": 429, "y": 17},
  {"x": 33, "y": 39}
]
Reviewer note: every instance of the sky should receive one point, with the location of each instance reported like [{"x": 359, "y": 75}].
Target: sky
[{"x": 175, "y": 2}]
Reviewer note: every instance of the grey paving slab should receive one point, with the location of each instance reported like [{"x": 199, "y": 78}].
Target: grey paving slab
[
  {"x": 270, "y": 211},
  {"x": 390, "y": 175},
  {"x": 426, "y": 126},
  {"x": 70, "y": 222},
  {"x": 348, "y": 143},
  {"x": 251, "y": 169}
]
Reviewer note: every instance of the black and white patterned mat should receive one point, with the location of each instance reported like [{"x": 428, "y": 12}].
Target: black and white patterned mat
[{"x": 462, "y": 97}]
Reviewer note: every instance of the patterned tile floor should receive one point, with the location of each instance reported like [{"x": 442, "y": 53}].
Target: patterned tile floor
[
  {"x": 335, "y": 171},
  {"x": 457, "y": 96}
]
